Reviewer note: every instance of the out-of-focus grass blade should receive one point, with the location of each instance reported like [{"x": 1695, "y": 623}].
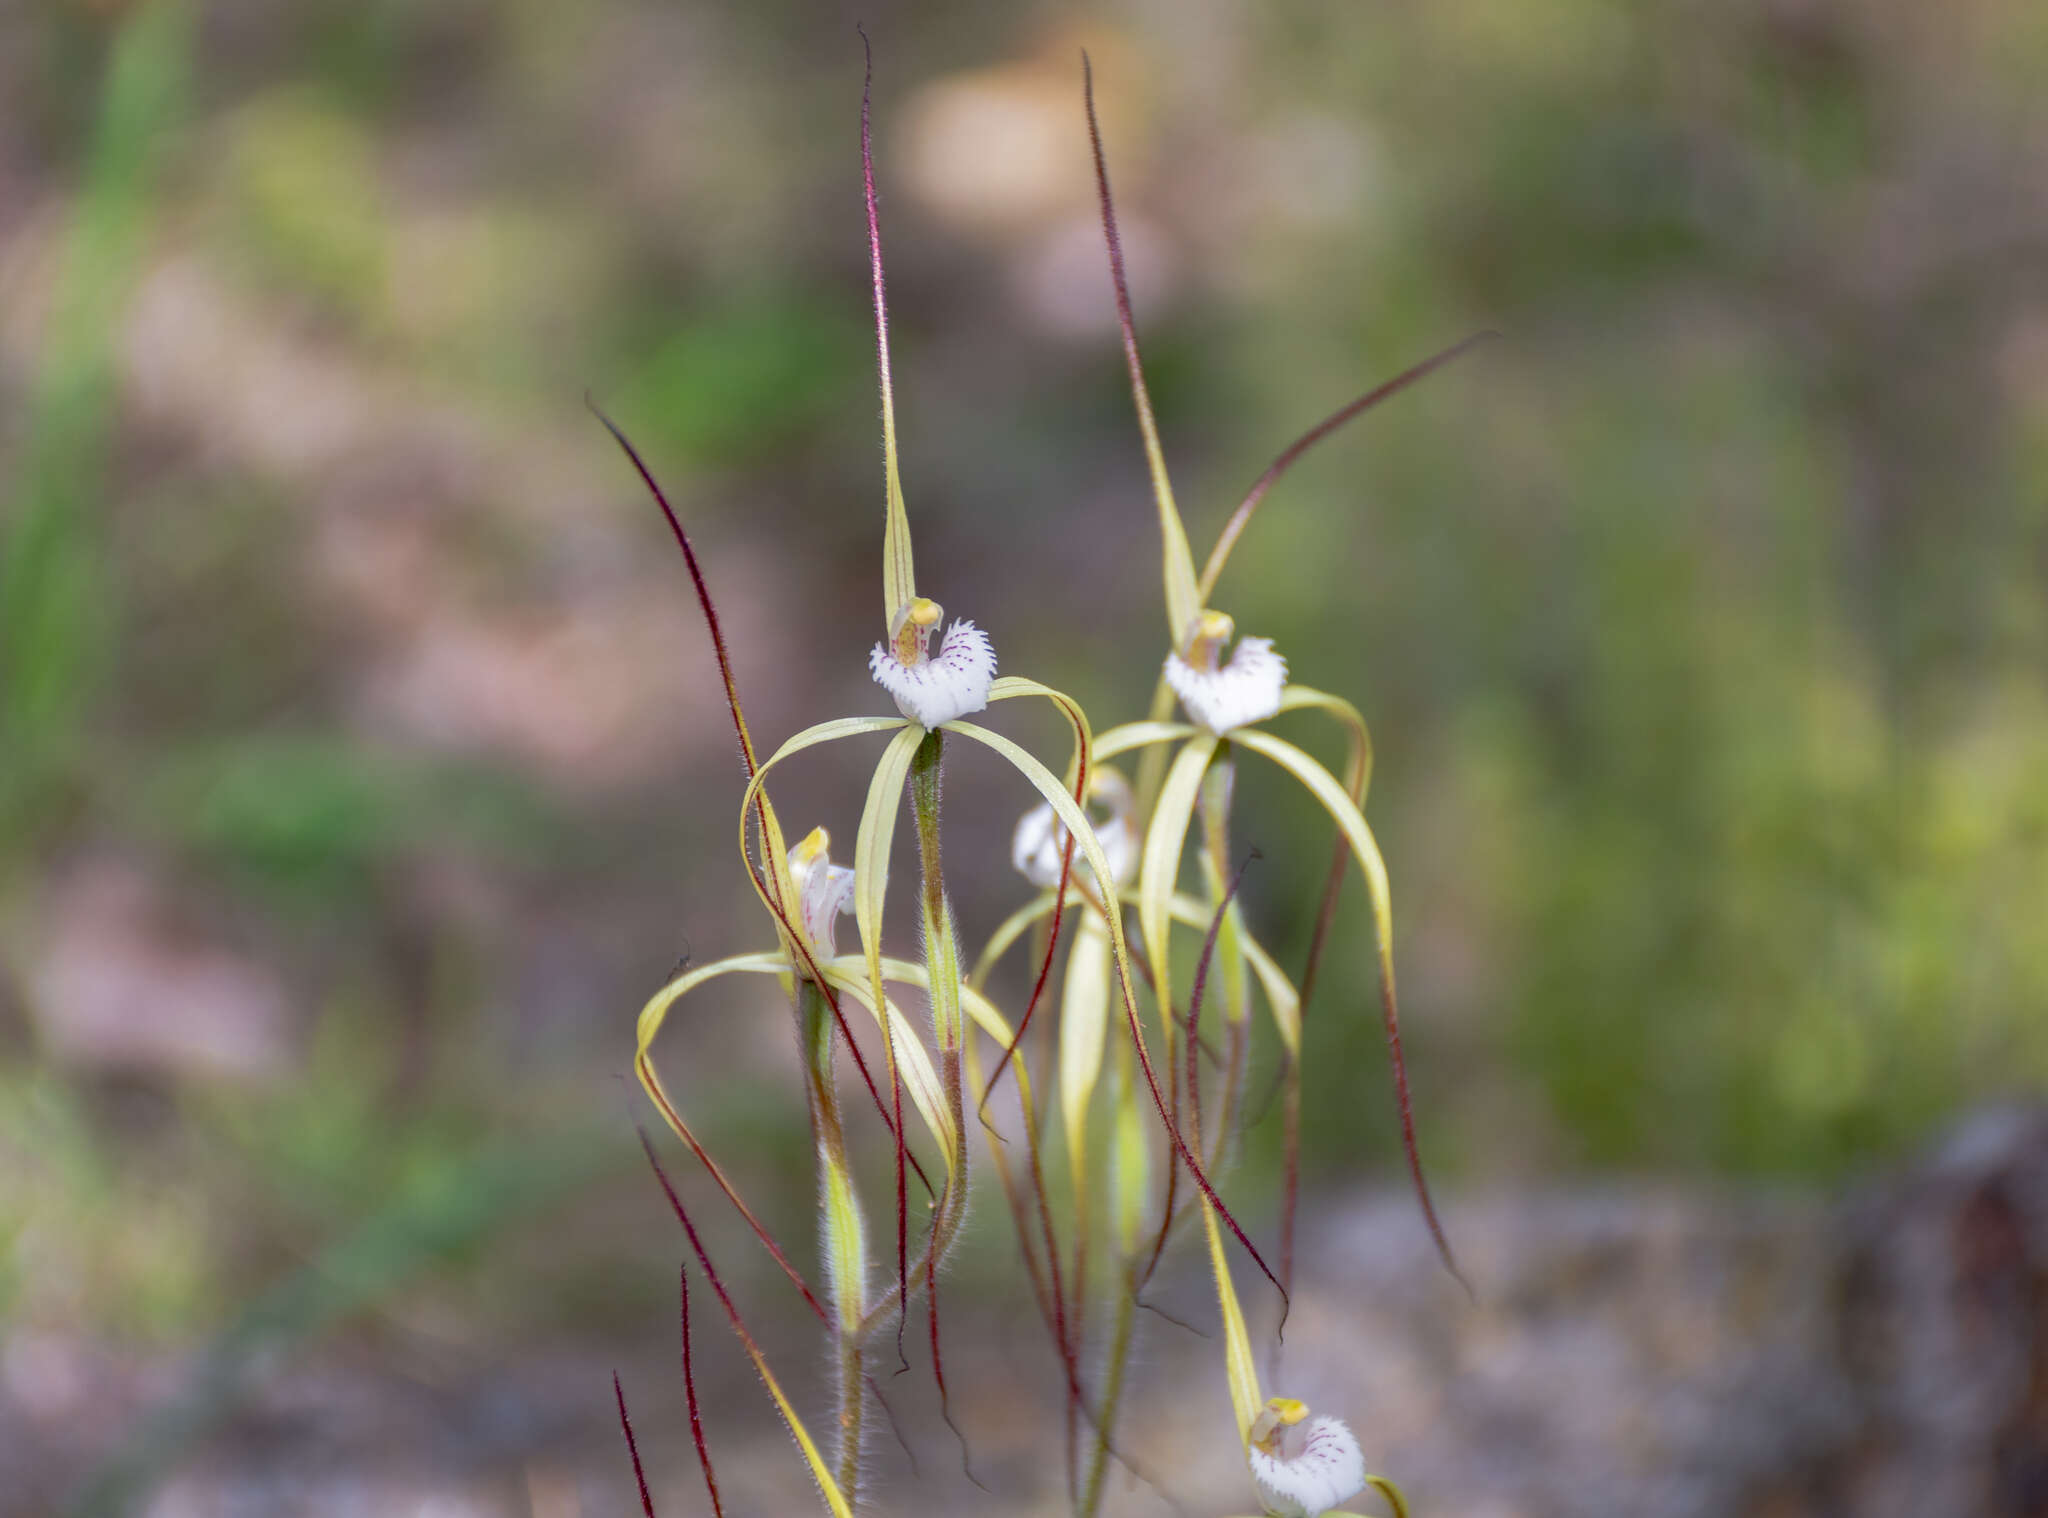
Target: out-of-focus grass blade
[{"x": 55, "y": 608}]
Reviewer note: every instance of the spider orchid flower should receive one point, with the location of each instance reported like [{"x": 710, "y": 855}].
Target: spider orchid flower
[
  {"x": 824, "y": 892},
  {"x": 1221, "y": 695},
  {"x": 1227, "y": 701},
  {"x": 805, "y": 893},
  {"x": 934, "y": 689},
  {"x": 1038, "y": 847},
  {"x": 1304, "y": 1465}
]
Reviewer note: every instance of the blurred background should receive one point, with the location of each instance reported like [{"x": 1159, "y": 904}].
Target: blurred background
[{"x": 363, "y": 765}]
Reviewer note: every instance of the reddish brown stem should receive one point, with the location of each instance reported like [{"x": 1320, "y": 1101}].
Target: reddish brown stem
[
  {"x": 632, "y": 1447},
  {"x": 690, "y": 1393},
  {"x": 1290, "y": 1185},
  {"x": 1329, "y": 424},
  {"x": 1436, "y": 1229},
  {"x": 760, "y": 1230}
]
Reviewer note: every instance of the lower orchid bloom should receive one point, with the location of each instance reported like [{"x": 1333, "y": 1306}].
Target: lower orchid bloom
[{"x": 1303, "y": 1465}]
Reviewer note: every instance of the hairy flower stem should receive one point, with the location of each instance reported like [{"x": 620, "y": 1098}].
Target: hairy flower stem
[{"x": 844, "y": 1228}]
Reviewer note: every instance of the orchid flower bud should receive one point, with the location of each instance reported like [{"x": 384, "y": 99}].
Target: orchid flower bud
[
  {"x": 1041, "y": 839},
  {"x": 824, "y": 891},
  {"x": 933, "y": 689},
  {"x": 1221, "y": 695},
  {"x": 1304, "y": 1465}
]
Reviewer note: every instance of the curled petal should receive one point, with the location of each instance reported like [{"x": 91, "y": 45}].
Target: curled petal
[
  {"x": 949, "y": 684},
  {"x": 1306, "y": 1468},
  {"x": 1243, "y": 691}
]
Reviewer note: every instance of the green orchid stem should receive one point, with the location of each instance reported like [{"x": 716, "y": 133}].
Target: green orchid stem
[
  {"x": 942, "y": 971},
  {"x": 1112, "y": 1392},
  {"x": 844, "y": 1228},
  {"x": 1219, "y": 784}
]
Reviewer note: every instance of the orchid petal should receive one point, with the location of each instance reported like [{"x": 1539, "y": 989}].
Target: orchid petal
[
  {"x": 1351, "y": 823},
  {"x": 899, "y": 577},
  {"x": 1182, "y": 601},
  {"x": 1164, "y": 839}
]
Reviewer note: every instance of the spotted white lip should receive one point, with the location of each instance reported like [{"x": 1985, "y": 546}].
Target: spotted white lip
[
  {"x": 1307, "y": 1468},
  {"x": 1246, "y": 689},
  {"x": 936, "y": 688}
]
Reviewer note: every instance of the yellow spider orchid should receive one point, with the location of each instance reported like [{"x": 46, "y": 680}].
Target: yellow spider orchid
[{"x": 1226, "y": 694}]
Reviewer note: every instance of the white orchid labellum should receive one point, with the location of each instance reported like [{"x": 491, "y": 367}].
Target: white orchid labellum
[
  {"x": 1304, "y": 1465},
  {"x": 1219, "y": 694},
  {"x": 933, "y": 689},
  {"x": 1041, "y": 839},
  {"x": 824, "y": 890}
]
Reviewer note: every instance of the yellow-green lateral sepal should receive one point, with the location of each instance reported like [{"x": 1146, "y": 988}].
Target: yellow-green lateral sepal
[
  {"x": 776, "y": 892},
  {"x": 1084, "y": 1023},
  {"x": 1159, "y": 864},
  {"x": 847, "y": 974},
  {"x": 1126, "y": 736},
  {"x": 1238, "y": 1366},
  {"x": 1350, "y": 822},
  {"x": 1358, "y": 762},
  {"x": 871, "y": 845}
]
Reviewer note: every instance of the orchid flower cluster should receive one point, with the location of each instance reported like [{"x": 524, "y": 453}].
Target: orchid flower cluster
[{"x": 1150, "y": 1106}]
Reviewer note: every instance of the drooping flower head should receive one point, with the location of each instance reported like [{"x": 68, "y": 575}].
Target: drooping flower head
[
  {"x": 1304, "y": 1464},
  {"x": 1221, "y": 694},
  {"x": 933, "y": 689}
]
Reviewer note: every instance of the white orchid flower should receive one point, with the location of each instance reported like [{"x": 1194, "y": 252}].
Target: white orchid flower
[
  {"x": 1220, "y": 694},
  {"x": 824, "y": 891},
  {"x": 933, "y": 689},
  {"x": 1040, "y": 842},
  {"x": 1304, "y": 1465}
]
